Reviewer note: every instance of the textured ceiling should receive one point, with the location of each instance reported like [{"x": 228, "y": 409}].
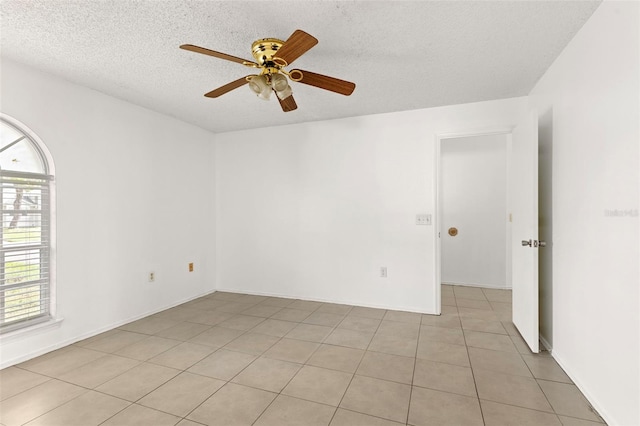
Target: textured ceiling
[{"x": 401, "y": 55}]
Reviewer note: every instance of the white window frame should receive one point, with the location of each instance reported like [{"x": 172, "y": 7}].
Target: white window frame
[{"x": 49, "y": 318}]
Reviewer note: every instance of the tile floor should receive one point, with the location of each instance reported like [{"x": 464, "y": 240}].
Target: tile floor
[{"x": 235, "y": 359}]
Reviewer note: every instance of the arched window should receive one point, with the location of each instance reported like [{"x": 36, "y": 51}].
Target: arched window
[{"x": 26, "y": 192}]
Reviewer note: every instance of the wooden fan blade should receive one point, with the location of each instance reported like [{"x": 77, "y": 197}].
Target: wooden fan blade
[
  {"x": 324, "y": 82},
  {"x": 227, "y": 88},
  {"x": 295, "y": 46},
  {"x": 210, "y": 52},
  {"x": 288, "y": 103}
]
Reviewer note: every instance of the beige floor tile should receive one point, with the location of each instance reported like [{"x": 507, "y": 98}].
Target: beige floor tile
[
  {"x": 222, "y": 364},
  {"x": 387, "y": 367},
  {"x": 139, "y": 381},
  {"x": 462, "y": 292},
  {"x": 263, "y": 311},
  {"x": 185, "y": 422},
  {"x": 378, "y": 398},
  {"x": 502, "y": 362},
  {"x": 148, "y": 325},
  {"x": 216, "y": 336},
  {"x": 137, "y": 415},
  {"x": 509, "y": 389},
  {"x": 280, "y": 302},
  {"x": 351, "y": 418},
  {"x": 252, "y": 343},
  {"x": 147, "y": 348},
  {"x": 367, "y": 325},
  {"x": 572, "y": 421},
  {"x": 97, "y": 337},
  {"x": 89, "y": 409},
  {"x": 99, "y": 371},
  {"x": 323, "y": 318},
  {"x": 268, "y": 374},
  {"x": 510, "y": 328},
  {"x": 292, "y": 350},
  {"x": 431, "y": 407},
  {"x": 183, "y": 355},
  {"x": 233, "y": 405},
  {"x": 293, "y": 315},
  {"x": 337, "y": 358},
  {"x": 305, "y": 305},
  {"x": 252, "y": 298},
  {"x": 394, "y": 345},
  {"x": 400, "y": 316},
  {"x": 61, "y": 361},
  {"x": 448, "y": 300},
  {"x": 183, "y": 331},
  {"x": 445, "y": 320},
  {"x": 241, "y": 322},
  {"x": 477, "y": 313},
  {"x": 234, "y": 307},
  {"x": 182, "y": 394},
  {"x": 14, "y": 380},
  {"x": 501, "y": 306},
  {"x": 567, "y": 400},
  {"x": 318, "y": 385},
  {"x": 497, "y": 295},
  {"x": 373, "y": 313},
  {"x": 116, "y": 341},
  {"x": 36, "y": 401},
  {"x": 473, "y": 303},
  {"x": 401, "y": 329},
  {"x": 309, "y": 333},
  {"x": 443, "y": 352},
  {"x": 495, "y": 342},
  {"x": 546, "y": 368},
  {"x": 274, "y": 327},
  {"x": 444, "y": 377},
  {"x": 210, "y": 317},
  {"x": 500, "y": 414},
  {"x": 179, "y": 313},
  {"x": 349, "y": 338},
  {"x": 288, "y": 411},
  {"x": 449, "y": 310},
  {"x": 442, "y": 334},
  {"x": 225, "y": 295},
  {"x": 205, "y": 304},
  {"x": 474, "y": 324},
  {"x": 335, "y": 308}
]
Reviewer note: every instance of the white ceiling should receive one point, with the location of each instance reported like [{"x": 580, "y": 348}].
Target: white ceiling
[{"x": 401, "y": 55}]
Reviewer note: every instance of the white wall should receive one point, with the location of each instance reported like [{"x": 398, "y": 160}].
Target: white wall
[
  {"x": 314, "y": 210},
  {"x": 124, "y": 175},
  {"x": 474, "y": 200},
  {"x": 592, "y": 92}
]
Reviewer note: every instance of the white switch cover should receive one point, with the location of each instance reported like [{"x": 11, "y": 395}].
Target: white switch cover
[{"x": 423, "y": 219}]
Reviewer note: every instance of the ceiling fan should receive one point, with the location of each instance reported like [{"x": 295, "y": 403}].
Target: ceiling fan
[{"x": 271, "y": 57}]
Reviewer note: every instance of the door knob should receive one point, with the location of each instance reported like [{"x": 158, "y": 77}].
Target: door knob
[{"x": 526, "y": 243}]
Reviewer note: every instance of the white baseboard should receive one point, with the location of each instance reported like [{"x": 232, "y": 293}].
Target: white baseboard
[
  {"x": 4, "y": 363},
  {"x": 340, "y": 302},
  {"x": 546, "y": 344}
]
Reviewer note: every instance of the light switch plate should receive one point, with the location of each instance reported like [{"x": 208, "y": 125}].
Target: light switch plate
[{"x": 423, "y": 219}]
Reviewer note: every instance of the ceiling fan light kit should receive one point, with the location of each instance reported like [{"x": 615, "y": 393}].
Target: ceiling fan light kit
[{"x": 271, "y": 57}]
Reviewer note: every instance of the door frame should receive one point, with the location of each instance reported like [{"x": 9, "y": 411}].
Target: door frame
[{"x": 437, "y": 202}]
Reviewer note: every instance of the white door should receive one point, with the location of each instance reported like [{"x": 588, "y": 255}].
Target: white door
[{"x": 524, "y": 227}]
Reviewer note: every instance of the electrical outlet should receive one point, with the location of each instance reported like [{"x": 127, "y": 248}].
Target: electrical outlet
[
  {"x": 423, "y": 219},
  {"x": 191, "y": 267},
  {"x": 152, "y": 277},
  {"x": 383, "y": 272}
]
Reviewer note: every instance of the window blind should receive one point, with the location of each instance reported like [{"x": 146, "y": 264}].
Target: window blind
[{"x": 25, "y": 249}]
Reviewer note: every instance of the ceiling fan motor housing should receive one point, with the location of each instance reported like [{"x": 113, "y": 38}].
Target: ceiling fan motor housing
[{"x": 264, "y": 50}]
